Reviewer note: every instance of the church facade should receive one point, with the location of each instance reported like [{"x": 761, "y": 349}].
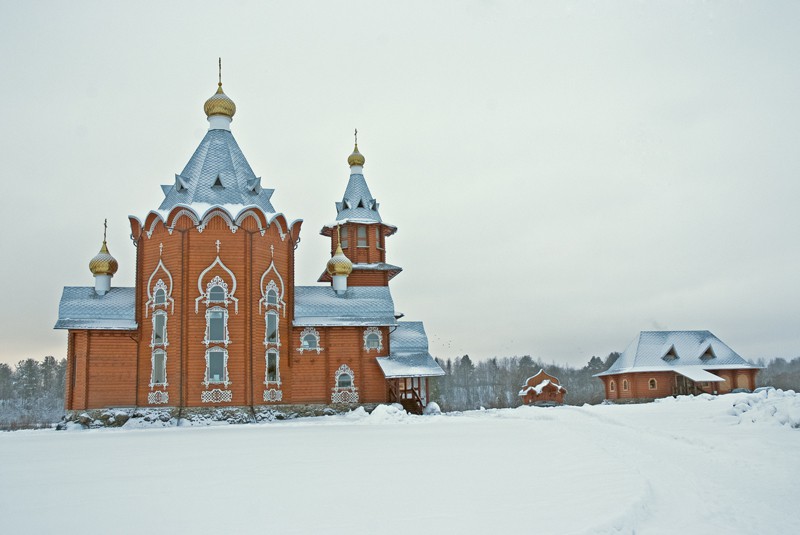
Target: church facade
[{"x": 215, "y": 317}]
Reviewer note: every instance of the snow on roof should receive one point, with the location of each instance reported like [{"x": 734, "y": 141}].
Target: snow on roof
[
  {"x": 360, "y": 305},
  {"x": 539, "y": 387},
  {"x": 698, "y": 349},
  {"x": 82, "y": 308},
  {"x": 375, "y": 266},
  {"x": 358, "y": 203},
  {"x": 698, "y": 374},
  {"x": 409, "y": 355},
  {"x": 217, "y": 174}
]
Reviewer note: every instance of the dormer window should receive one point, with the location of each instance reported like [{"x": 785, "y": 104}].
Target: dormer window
[
  {"x": 217, "y": 183},
  {"x": 708, "y": 354},
  {"x": 670, "y": 355}
]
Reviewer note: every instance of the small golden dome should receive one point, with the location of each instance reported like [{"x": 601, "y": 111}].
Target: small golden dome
[
  {"x": 356, "y": 158},
  {"x": 103, "y": 263},
  {"x": 219, "y": 104},
  {"x": 339, "y": 264}
]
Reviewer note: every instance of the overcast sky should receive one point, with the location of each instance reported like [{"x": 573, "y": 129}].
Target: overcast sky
[{"x": 562, "y": 174}]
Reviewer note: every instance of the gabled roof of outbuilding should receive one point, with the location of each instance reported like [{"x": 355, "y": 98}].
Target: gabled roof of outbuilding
[
  {"x": 217, "y": 174},
  {"x": 647, "y": 351},
  {"x": 360, "y": 305},
  {"x": 82, "y": 308}
]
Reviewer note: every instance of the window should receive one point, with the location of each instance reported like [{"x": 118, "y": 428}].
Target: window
[
  {"x": 309, "y": 342},
  {"x": 272, "y": 327},
  {"x": 625, "y": 384},
  {"x": 378, "y": 242},
  {"x": 273, "y": 375},
  {"x": 159, "y": 374},
  {"x": 216, "y": 326},
  {"x": 343, "y": 237},
  {"x": 160, "y": 297},
  {"x": 345, "y": 381},
  {"x": 216, "y": 294},
  {"x": 362, "y": 236},
  {"x": 159, "y": 328},
  {"x": 652, "y": 383},
  {"x": 612, "y": 386},
  {"x": 373, "y": 339},
  {"x": 216, "y": 366},
  {"x": 272, "y": 297}
]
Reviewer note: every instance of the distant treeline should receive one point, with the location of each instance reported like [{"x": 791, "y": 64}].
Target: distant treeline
[
  {"x": 32, "y": 394},
  {"x": 495, "y": 383}
]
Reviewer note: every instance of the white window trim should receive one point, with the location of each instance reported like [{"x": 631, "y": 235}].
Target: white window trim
[
  {"x": 153, "y": 343},
  {"x": 373, "y": 330},
  {"x": 313, "y": 332},
  {"x": 153, "y": 369},
  {"x": 654, "y": 382},
  {"x": 225, "y": 318},
  {"x": 345, "y": 394},
  {"x": 150, "y": 304},
  {"x": 277, "y": 382},
  {"x": 226, "y": 380},
  {"x": 229, "y": 295}
]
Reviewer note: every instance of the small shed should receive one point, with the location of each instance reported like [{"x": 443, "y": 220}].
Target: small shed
[{"x": 542, "y": 389}]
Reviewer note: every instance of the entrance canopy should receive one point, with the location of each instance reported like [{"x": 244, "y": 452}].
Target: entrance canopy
[
  {"x": 409, "y": 365},
  {"x": 698, "y": 374}
]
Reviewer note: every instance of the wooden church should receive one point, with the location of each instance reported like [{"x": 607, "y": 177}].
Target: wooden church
[{"x": 215, "y": 317}]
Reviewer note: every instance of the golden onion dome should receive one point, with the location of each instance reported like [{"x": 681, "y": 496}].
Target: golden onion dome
[
  {"x": 356, "y": 158},
  {"x": 219, "y": 104},
  {"x": 339, "y": 264},
  {"x": 103, "y": 263}
]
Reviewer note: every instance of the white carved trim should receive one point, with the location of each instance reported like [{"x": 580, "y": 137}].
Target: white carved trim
[
  {"x": 183, "y": 213},
  {"x": 277, "y": 367},
  {"x": 207, "y": 341},
  {"x": 264, "y": 288},
  {"x": 373, "y": 330},
  {"x": 312, "y": 332},
  {"x": 153, "y": 343},
  {"x": 208, "y": 216},
  {"x": 250, "y": 213},
  {"x": 216, "y": 396},
  {"x": 153, "y": 227},
  {"x": 159, "y": 397},
  {"x": 153, "y": 368},
  {"x": 225, "y": 380},
  {"x": 203, "y": 295},
  {"x": 273, "y": 395},
  {"x": 151, "y": 289},
  {"x": 344, "y": 394}
]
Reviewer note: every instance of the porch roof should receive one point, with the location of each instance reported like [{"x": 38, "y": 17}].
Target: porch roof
[
  {"x": 409, "y": 365},
  {"x": 697, "y": 374}
]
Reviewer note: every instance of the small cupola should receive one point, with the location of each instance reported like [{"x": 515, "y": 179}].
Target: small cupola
[
  {"x": 356, "y": 159},
  {"x": 339, "y": 267},
  {"x": 103, "y": 266},
  {"x": 219, "y": 108}
]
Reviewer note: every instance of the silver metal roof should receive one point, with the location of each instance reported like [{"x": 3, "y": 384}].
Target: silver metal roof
[
  {"x": 217, "y": 174},
  {"x": 358, "y": 204},
  {"x": 82, "y": 308},
  {"x": 360, "y": 305},
  {"x": 376, "y": 266},
  {"x": 409, "y": 355},
  {"x": 646, "y": 353}
]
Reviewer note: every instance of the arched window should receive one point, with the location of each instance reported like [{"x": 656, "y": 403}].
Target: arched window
[
  {"x": 653, "y": 384},
  {"x": 159, "y": 329},
  {"x": 159, "y": 368},
  {"x": 373, "y": 338},
  {"x": 216, "y": 326},
  {"x": 625, "y": 384},
  {"x": 160, "y": 297},
  {"x": 216, "y": 294},
  {"x": 612, "y": 385},
  {"x": 344, "y": 389},
  {"x": 216, "y": 366},
  {"x": 273, "y": 371},
  {"x": 362, "y": 236},
  {"x": 309, "y": 341},
  {"x": 272, "y": 327},
  {"x": 272, "y": 297}
]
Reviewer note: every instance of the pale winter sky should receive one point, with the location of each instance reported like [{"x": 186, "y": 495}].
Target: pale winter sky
[{"x": 563, "y": 174}]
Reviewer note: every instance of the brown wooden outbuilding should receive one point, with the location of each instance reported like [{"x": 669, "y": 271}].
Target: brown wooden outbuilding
[{"x": 542, "y": 389}]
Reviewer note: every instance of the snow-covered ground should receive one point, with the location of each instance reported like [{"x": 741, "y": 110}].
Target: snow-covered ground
[{"x": 729, "y": 464}]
